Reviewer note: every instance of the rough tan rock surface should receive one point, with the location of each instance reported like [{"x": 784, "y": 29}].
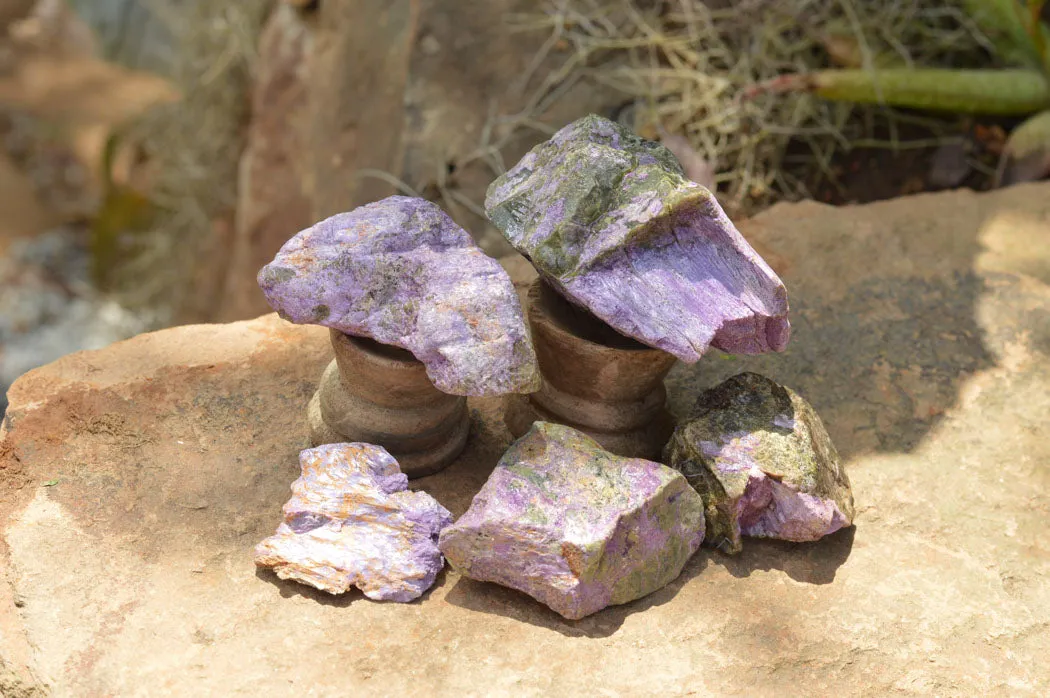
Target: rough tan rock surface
[
  {"x": 274, "y": 201},
  {"x": 358, "y": 73},
  {"x": 921, "y": 335}
]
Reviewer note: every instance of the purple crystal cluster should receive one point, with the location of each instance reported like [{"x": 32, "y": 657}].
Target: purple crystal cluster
[
  {"x": 574, "y": 526},
  {"x": 613, "y": 225},
  {"x": 352, "y": 521},
  {"x": 611, "y": 222},
  {"x": 764, "y": 464},
  {"x": 401, "y": 272}
]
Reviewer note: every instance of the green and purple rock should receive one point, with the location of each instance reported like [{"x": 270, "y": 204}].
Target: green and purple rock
[
  {"x": 764, "y": 464},
  {"x": 352, "y": 521},
  {"x": 610, "y": 220},
  {"x": 401, "y": 272},
  {"x": 574, "y": 526}
]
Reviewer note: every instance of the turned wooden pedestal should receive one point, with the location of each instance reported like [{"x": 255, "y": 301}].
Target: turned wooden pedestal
[
  {"x": 378, "y": 394},
  {"x": 594, "y": 379}
]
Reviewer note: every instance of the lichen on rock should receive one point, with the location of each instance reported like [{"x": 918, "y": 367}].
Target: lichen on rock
[
  {"x": 352, "y": 521},
  {"x": 574, "y": 526},
  {"x": 401, "y": 272},
  {"x": 610, "y": 220},
  {"x": 764, "y": 464}
]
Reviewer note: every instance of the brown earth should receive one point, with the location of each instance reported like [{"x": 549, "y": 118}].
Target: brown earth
[
  {"x": 943, "y": 155},
  {"x": 136, "y": 480}
]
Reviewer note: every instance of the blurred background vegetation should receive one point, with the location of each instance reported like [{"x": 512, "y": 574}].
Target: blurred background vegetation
[{"x": 155, "y": 153}]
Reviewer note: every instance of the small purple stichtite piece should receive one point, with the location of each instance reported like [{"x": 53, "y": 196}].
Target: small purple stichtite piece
[
  {"x": 611, "y": 222},
  {"x": 352, "y": 521},
  {"x": 574, "y": 526},
  {"x": 401, "y": 272},
  {"x": 765, "y": 466}
]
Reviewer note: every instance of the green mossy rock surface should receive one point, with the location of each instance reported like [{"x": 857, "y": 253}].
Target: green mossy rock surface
[{"x": 763, "y": 462}]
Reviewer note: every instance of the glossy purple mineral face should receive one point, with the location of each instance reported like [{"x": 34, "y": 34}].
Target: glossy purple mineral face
[
  {"x": 352, "y": 521},
  {"x": 610, "y": 220},
  {"x": 763, "y": 462},
  {"x": 574, "y": 526},
  {"x": 401, "y": 272}
]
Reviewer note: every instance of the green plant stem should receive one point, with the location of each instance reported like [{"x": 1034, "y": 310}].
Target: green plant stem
[
  {"x": 1005, "y": 92},
  {"x": 1007, "y": 25},
  {"x": 1036, "y": 30}
]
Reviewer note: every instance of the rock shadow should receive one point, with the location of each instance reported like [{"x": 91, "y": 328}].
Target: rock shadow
[
  {"x": 808, "y": 563},
  {"x": 289, "y": 589},
  {"x": 486, "y": 597},
  {"x": 456, "y": 486},
  {"x": 881, "y": 359}
]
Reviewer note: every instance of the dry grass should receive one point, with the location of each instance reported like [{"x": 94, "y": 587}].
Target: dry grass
[{"x": 682, "y": 66}]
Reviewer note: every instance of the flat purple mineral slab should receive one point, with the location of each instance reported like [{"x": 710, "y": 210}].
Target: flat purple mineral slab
[
  {"x": 610, "y": 220},
  {"x": 576, "y": 527},
  {"x": 403, "y": 273},
  {"x": 760, "y": 457},
  {"x": 352, "y": 521}
]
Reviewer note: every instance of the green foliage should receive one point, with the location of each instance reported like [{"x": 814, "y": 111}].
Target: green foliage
[
  {"x": 123, "y": 213},
  {"x": 1014, "y": 29},
  {"x": 968, "y": 91},
  {"x": 1019, "y": 38}
]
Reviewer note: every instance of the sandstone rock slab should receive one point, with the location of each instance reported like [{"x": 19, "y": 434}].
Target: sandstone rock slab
[
  {"x": 351, "y": 521},
  {"x": 921, "y": 336},
  {"x": 611, "y": 221},
  {"x": 401, "y": 272},
  {"x": 575, "y": 526},
  {"x": 763, "y": 462}
]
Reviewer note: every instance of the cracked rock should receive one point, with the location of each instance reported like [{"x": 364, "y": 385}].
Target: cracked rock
[
  {"x": 574, "y": 526},
  {"x": 761, "y": 459},
  {"x": 610, "y": 220},
  {"x": 352, "y": 521},
  {"x": 401, "y": 272}
]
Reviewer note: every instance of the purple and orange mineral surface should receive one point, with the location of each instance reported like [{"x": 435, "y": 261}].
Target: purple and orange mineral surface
[{"x": 352, "y": 521}]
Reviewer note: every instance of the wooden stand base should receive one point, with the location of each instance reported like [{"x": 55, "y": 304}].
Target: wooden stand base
[
  {"x": 594, "y": 379},
  {"x": 381, "y": 395}
]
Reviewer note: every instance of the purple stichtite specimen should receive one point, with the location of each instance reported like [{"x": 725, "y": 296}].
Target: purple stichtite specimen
[
  {"x": 352, "y": 521},
  {"x": 611, "y": 222},
  {"x": 760, "y": 457},
  {"x": 401, "y": 272},
  {"x": 574, "y": 526}
]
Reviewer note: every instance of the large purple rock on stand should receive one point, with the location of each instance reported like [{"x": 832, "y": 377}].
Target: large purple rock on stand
[
  {"x": 574, "y": 526},
  {"x": 401, "y": 272},
  {"x": 764, "y": 464},
  {"x": 352, "y": 521},
  {"x": 610, "y": 220}
]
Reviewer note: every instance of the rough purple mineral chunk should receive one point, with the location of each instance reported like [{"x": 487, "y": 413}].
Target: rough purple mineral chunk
[
  {"x": 403, "y": 273},
  {"x": 351, "y": 521},
  {"x": 576, "y": 527},
  {"x": 765, "y": 466},
  {"x": 610, "y": 220}
]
